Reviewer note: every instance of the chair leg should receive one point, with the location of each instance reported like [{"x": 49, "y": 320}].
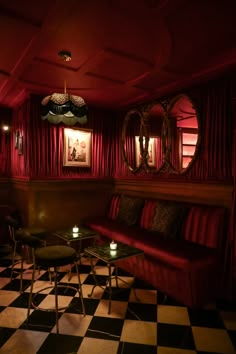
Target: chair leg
[
  {"x": 13, "y": 260},
  {"x": 31, "y": 292},
  {"x": 21, "y": 275},
  {"x": 56, "y": 298},
  {"x": 80, "y": 292}
]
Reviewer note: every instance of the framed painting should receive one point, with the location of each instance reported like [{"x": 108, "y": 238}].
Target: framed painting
[
  {"x": 151, "y": 151},
  {"x": 20, "y": 144},
  {"x": 16, "y": 138},
  {"x": 77, "y": 147}
]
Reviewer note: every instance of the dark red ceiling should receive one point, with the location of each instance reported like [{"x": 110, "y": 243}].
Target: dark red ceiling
[{"x": 123, "y": 51}]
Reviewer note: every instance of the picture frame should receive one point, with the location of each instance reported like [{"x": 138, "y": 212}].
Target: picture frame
[
  {"x": 16, "y": 138},
  {"x": 152, "y": 161},
  {"x": 77, "y": 147},
  {"x": 20, "y": 144}
]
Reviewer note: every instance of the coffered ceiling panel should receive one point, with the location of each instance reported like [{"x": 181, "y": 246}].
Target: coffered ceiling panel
[
  {"x": 14, "y": 43},
  {"x": 118, "y": 66}
]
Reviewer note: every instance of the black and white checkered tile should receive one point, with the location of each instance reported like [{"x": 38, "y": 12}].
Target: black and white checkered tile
[{"x": 138, "y": 323}]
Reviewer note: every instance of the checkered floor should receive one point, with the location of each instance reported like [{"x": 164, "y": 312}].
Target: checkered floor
[{"x": 143, "y": 327}]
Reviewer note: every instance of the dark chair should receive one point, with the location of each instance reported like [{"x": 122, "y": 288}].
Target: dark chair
[
  {"x": 22, "y": 241},
  {"x": 54, "y": 257}
]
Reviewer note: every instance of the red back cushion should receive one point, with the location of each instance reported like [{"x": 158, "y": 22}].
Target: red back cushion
[
  {"x": 147, "y": 213},
  {"x": 205, "y": 225},
  {"x": 114, "y": 207}
]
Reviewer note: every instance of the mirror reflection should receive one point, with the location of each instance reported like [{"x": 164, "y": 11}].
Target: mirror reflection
[
  {"x": 184, "y": 129},
  {"x": 156, "y": 131},
  {"x": 130, "y": 130}
]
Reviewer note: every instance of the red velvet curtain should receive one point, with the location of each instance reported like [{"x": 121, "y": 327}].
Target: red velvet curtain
[
  {"x": 232, "y": 232},
  {"x": 20, "y": 124},
  {"x": 216, "y": 161},
  {"x": 216, "y": 122},
  {"x": 43, "y": 142},
  {"x": 5, "y": 152}
]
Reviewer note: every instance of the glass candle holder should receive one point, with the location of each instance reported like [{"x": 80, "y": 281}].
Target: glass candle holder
[
  {"x": 113, "y": 245},
  {"x": 75, "y": 229}
]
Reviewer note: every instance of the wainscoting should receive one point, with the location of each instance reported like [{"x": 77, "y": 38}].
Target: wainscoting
[
  {"x": 60, "y": 203},
  {"x": 204, "y": 193}
]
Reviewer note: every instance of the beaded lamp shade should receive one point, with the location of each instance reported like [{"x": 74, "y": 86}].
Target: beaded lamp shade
[{"x": 63, "y": 107}]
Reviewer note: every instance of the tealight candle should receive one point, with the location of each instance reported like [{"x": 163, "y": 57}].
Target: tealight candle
[
  {"x": 75, "y": 229},
  {"x": 113, "y": 245}
]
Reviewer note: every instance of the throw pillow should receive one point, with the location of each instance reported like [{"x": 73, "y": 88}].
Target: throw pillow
[
  {"x": 168, "y": 218},
  {"x": 129, "y": 210}
]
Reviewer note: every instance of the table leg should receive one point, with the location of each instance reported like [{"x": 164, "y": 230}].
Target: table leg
[
  {"x": 109, "y": 287},
  {"x": 69, "y": 273},
  {"x": 94, "y": 276},
  {"x": 116, "y": 275}
]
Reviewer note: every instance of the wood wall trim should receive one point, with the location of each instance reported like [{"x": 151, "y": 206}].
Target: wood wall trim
[
  {"x": 62, "y": 184},
  {"x": 56, "y": 204},
  {"x": 205, "y": 193}
]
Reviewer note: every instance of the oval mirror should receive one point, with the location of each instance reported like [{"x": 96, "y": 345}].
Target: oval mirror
[
  {"x": 157, "y": 132},
  {"x": 130, "y": 140},
  {"x": 184, "y": 132}
]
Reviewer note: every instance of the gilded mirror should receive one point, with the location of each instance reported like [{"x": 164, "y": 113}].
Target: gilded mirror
[{"x": 162, "y": 137}]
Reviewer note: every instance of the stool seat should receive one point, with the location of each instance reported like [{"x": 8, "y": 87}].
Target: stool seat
[
  {"x": 36, "y": 231},
  {"x": 55, "y": 256},
  {"x": 26, "y": 239}
]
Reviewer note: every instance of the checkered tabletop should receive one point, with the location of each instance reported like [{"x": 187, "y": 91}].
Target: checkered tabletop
[{"x": 145, "y": 326}]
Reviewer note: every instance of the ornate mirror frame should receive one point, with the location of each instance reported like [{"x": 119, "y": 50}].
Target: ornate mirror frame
[
  {"x": 127, "y": 120},
  {"x": 143, "y": 113}
]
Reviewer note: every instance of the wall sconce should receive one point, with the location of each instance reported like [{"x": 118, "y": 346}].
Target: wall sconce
[{"x": 5, "y": 127}]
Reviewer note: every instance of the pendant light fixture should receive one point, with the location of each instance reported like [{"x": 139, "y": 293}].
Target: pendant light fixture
[{"x": 63, "y": 107}]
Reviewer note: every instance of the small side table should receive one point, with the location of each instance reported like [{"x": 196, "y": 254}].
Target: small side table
[{"x": 104, "y": 253}]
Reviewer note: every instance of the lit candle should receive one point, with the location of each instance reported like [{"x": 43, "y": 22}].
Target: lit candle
[
  {"x": 75, "y": 229},
  {"x": 75, "y": 234},
  {"x": 113, "y": 245}
]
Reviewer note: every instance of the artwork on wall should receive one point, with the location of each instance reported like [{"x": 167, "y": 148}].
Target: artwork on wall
[
  {"x": 151, "y": 151},
  {"x": 20, "y": 144},
  {"x": 77, "y": 147},
  {"x": 16, "y": 138}
]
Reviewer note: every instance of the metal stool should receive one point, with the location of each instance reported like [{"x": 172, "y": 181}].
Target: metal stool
[{"x": 54, "y": 257}]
